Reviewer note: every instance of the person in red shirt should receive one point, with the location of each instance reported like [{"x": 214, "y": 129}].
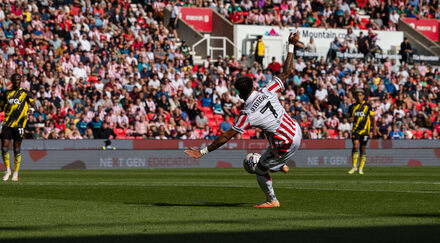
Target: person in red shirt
[
  {"x": 236, "y": 17},
  {"x": 274, "y": 66}
]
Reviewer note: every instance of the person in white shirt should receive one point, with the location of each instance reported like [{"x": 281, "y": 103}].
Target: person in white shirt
[
  {"x": 80, "y": 72},
  {"x": 321, "y": 95},
  {"x": 300, "y": 65},
  {"x": 311, "y": 47},
  {"x": 344, "y": 125},
  {"x": 154, "y": 82},
  {"x": 85, "y": 44},
  {"x": 394, "y": 17}
]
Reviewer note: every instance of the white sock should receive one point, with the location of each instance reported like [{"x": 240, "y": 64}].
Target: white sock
[
  {"x": 8, "y": 170},
  {"x": 15, "y": 173},
  {"x": 265, "y": 183}
]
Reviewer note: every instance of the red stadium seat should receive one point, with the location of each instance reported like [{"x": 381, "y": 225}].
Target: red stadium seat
[
  {"x": 246, "y": 135},
  {"x": 151, "y": 115},
  {"x": 210, "y": 116},
  {"x": 429, "y": 132},
  {"x": 139, "y": 137},
  {"x": 218, "y": 117},
  {"x": 198, "y": 132},
  {"x": 212, "y": 123},
  {"x": 206, "y": 109},
  {"x": 130, "y": 137},
  {"x": 251, "y": 132},
  {"x": 119, "y": 131},
  {"x": 331, "y": 132},
  {"x": 215, "y": 130}
]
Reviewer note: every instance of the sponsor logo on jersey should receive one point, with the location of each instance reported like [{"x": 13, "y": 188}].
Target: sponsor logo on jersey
[
  {"x": 14, "y": 101},
  {"x": 359, "y": 113},
  {"x": 258, "y": 102}
]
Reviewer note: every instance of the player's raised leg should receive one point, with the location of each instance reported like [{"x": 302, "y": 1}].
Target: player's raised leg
[
  {"x": 17, "y": 159},
  {"x": 5, "y": 156}
]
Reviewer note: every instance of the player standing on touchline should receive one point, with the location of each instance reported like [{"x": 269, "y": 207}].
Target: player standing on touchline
[
  {"x": 263, "y": 110},
  {"x": 15, "y": 104},
  {"x": 362, "y": 116}
]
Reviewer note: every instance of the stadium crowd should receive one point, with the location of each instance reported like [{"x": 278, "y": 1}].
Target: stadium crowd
[
  {"x": 379, "y": 15},
  {"x": 111, "y": 69}
]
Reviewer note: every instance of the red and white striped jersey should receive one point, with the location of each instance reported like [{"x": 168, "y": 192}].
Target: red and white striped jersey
[{"x": 263, "y": 110}]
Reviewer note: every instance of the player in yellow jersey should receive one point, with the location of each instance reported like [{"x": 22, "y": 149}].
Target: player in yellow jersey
[
  {"x": 362, "y": 116},
  {"x": 15, "y": 103}
]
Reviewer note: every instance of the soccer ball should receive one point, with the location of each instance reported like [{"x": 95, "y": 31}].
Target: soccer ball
[{"x": 251, "y": 161}]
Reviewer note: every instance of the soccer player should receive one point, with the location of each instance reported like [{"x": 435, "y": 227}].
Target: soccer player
[
  {"x": 15, "y": 103},
  {"x": 263, "y": 110},
  {"x": 362, "y": 116}
]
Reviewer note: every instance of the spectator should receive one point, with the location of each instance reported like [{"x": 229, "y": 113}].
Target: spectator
[
  {"x": 210, "y": 135},
  {"x": 88, "y": 134},
  {"x": 225, "y": 125},
  {"x": 127, "y": 69},
  {"x": 274, "y": 66},
  {"x": 218, "y": 108},
  {"x": 318, "y": 122},
  {"x": 259, "y": 50},
  {"x": 105, "y": 132},
  {"x": 201, "y": 120},
  {"x": 406, "y": 50}
]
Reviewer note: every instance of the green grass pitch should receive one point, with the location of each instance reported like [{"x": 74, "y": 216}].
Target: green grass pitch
[{"x": 215, "y": 205}]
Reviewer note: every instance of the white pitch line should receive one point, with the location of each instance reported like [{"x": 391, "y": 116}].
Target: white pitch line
[{"x": 197, "y": 184}]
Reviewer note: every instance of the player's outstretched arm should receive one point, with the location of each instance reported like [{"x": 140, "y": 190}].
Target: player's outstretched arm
[
  {"x": 222, "y": 139},
  {"x": 288, "y": 64}
]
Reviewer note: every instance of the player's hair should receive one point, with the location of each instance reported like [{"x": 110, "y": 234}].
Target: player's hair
[
  {"x": 244, "y": 86},
  {"x": 15, "y": 76}
]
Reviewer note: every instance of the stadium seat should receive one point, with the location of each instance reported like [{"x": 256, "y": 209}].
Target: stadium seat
[
  {"x": 212, "y": 123},
  {"x": 210, "y": 116},
  {"x": 218, "y": 117},
  {"x": 251, "y": 132},
  {"x": 246, "y": 135},
  {"x": 215, "y": 130},
  {"x": 198, "y": 132},
  {"x": 206, "y": 109},
  {"x": 130, "y": 137},
  {"x": 139, "y": 137},
  {"x": 151, "y": 115},
  {"x": 429, "y": 132},
  {"x": 119, "y": 131},
  {"x": 331, "y": 132}
]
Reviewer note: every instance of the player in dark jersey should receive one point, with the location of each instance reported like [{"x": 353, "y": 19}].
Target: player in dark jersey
[
  {"x": 15, "y": 103},
  {"x": 362, "y": 116}
]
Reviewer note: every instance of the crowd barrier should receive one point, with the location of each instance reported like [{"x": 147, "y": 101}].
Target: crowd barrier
[{"x": 151, "y": 154}]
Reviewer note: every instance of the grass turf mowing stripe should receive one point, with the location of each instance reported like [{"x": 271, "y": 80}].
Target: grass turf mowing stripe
[{"x": 203, "y": 205}]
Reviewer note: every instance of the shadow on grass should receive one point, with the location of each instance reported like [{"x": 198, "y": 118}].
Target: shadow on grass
[
  {"x": 410, "y": 233},
  {"x": 416, "y": 215},
  {"x": 205, "y": 204}
]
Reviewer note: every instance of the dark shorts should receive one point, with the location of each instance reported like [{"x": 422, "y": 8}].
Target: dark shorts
[
  {"x": 172, "y": 24},
  {"x": 16, "y": 133},
  {"x": 363, "y": 139}
]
